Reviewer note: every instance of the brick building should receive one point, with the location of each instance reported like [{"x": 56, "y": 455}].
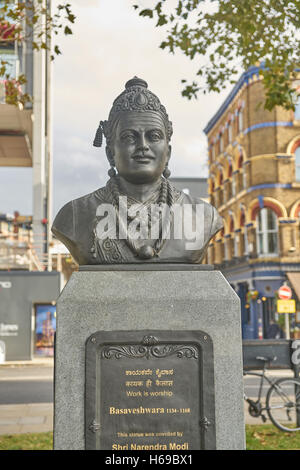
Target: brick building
[{"x": 254, "y": 181}]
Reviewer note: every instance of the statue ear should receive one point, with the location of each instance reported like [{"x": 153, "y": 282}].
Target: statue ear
[
  {"x": 109, "y": 155},
  {"x": 169, "y": 152}
]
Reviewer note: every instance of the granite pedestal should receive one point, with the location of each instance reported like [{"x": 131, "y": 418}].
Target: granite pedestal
[{"x": 153, "y": 298}]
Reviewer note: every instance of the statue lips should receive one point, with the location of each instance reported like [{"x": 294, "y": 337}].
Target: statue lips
[{"x": 142, "y": 158}]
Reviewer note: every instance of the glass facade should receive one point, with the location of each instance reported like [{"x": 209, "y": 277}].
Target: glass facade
[{"x": 12, "y": 60}]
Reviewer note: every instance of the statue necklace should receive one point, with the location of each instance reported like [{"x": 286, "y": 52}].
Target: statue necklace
[{"x": 165, "y": 198}]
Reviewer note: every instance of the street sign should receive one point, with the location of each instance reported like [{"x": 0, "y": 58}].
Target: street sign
[
  {"x": 286, "y": 306},
  {"x": 285, "y": 292}
]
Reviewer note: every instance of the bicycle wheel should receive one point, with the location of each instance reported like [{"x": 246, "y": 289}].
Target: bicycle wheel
[{"x": 283, "y": 404}]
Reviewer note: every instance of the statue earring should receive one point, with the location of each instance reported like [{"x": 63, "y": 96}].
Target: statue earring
[
  {"x": 166, "y": 172},
  {"x": 112, "y": 172}
]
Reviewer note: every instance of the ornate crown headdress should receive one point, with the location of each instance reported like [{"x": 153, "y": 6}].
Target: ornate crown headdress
[{"x": 135, "y": 97}]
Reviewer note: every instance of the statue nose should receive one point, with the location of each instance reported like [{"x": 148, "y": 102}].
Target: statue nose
[{"x": 142, "y": 144}]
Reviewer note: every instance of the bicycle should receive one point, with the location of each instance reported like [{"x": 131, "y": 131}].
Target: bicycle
[{"x": 282, "y": 400}]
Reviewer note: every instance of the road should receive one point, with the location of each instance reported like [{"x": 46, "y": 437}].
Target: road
[
  {"x": 252, "y": 384},
  {"x": 34, "y": 384},
  {"x": 26, "y": 398},
  {"x": 26, "y": 385}
]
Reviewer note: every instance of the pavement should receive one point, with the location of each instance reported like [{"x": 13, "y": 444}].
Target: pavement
[
  {"x": 36, "y": 361},
  {"x": 38, "y": 417},
  {"x": 30, "y": 417},
  {"x": 20, "y": 419}
]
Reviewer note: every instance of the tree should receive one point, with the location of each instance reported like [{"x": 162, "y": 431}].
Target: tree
[
  {"x": 232, "y": 35},
  {"x": 30, "y": 21}
]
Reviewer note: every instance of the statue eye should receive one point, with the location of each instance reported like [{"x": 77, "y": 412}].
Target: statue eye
[{"x": 155, "y": 136}]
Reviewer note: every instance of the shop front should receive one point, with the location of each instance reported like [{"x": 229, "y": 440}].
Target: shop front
[
  {"x": 257, "y": 286},
  {"x": 27, "y": 313}
]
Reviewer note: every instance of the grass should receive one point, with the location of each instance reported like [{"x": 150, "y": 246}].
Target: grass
[
  {"x": 258, "y": 437},
  {"x": 267, "y": 437},
  {"x": 28, "y": 441}
]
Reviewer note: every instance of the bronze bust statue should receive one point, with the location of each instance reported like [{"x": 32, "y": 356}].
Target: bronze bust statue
[{"x": 138, "y": 216}]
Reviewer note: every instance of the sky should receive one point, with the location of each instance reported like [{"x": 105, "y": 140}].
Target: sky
[{"x": 111, "y": 44}]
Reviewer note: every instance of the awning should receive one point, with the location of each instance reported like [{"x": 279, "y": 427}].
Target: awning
[{"x": 294, "y": 279}]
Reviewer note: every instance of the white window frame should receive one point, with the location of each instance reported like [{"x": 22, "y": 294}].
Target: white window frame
[
  {"x": 297, "y": 108},
  {"x": 221, "y": 143},
  {"x": 230, "y": 132},
  {"x": 297, "y": 164},
  {"x": 240, "y": 120},
  {"x": 233, "y": 185},
  {"x": 213, "y": 152},
  {"x": 236, "y": 244},
  {"x": 244, "y": 177},
  {"x": 265, "y": 232}
]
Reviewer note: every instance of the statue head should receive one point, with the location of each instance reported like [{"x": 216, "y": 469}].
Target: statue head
[{"x": 137, "y": 132}]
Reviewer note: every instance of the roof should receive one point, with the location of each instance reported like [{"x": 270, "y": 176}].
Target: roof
[{"x": 244, "y": 78}]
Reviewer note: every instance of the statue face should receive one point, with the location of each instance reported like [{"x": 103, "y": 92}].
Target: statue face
[{"x": 140, "y": 147}]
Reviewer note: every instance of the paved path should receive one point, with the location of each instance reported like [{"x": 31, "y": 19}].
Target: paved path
[
  {"x": 30, "y": 417},
  {"x": 17, "y": 419},
  {"x": 38, "y": 417}
]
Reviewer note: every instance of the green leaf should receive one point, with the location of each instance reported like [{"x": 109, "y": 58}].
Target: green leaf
[
  {"x": 71, "y": 18},
  {"x": 162, "y": 20},
  {"x": 67, "y": 30},
  {"x": 146, "y": 12}
]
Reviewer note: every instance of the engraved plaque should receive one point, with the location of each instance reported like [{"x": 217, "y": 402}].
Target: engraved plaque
[{"x": 149, "y": 390}]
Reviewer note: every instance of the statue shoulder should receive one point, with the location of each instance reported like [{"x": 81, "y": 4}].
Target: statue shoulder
[
  {"x": 212, "y": 219},
  {"x": 66, "y": 220},
  {"x": 216, "y": 220}
]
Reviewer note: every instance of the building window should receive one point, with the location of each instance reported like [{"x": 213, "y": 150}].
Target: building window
[
  {"x": 233, "y": 185},
  {"x": 228, "y": 179},
  {"x": 236, "y": 245},
  {"x": 220, "y": 179},
  {"x": 297, "y": 163},
  {"x": 228, "y": 190},
  {"x": 245, "y": 239},
  {"x": 297, "y": 109},
  {"x": 246, "y": 244},
  {"x": 266, "y": 232},
  {"x": 229, "y": 170},
  {"x": 229, "y": 132},
  {"x": 213, "y": 152},
  {"x": 240, "y": 159},
  {"x": 240, "y": 120},
  {"x": 221, "y": 143},
  {"x": 12, "y": 70},
  {"x": 244, "y": 178},
  {"x": 12, "y": 62}
]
